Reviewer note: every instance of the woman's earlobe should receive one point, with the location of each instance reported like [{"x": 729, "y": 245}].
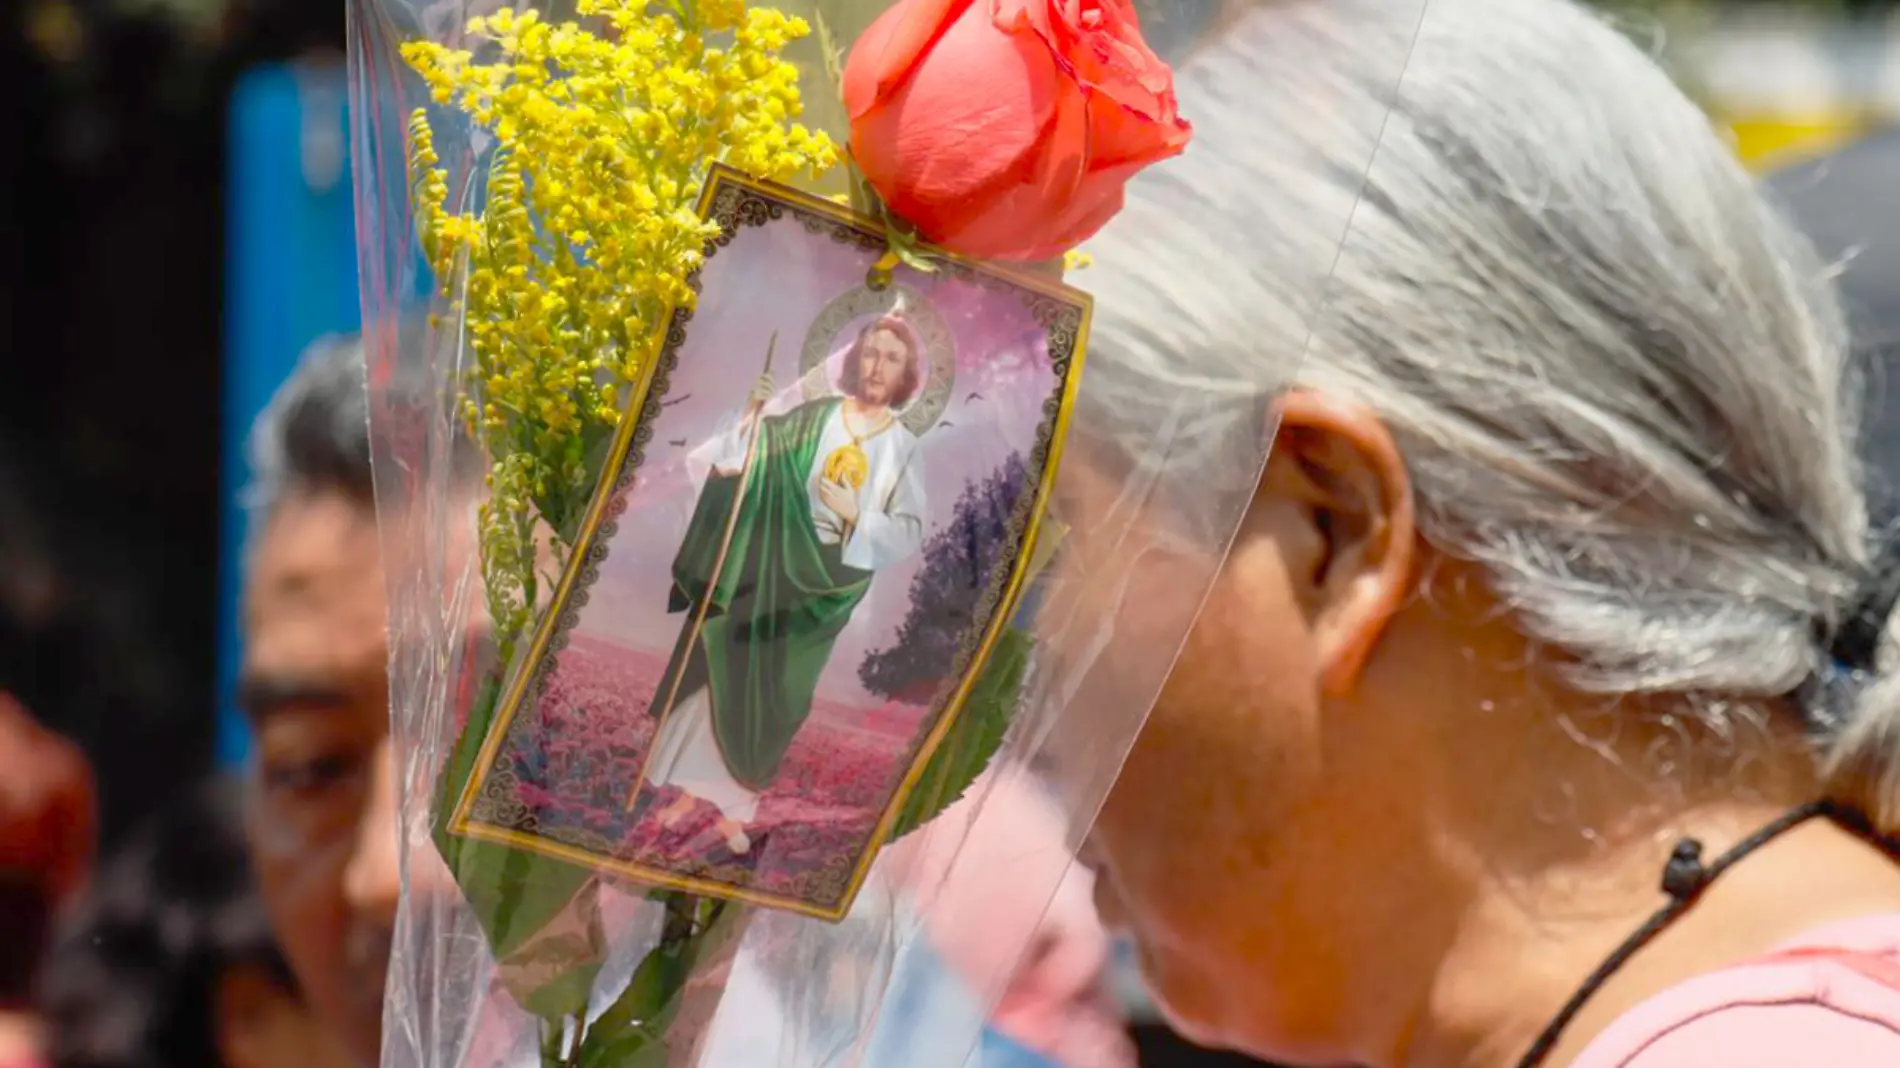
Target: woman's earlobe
[{"x": 1356, "y": 619}]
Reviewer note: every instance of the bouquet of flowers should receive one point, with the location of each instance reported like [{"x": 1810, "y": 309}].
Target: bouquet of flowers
[{"x": 757, "y": 319}]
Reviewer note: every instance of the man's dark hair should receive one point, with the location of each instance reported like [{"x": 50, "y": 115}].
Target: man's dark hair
[
  {"x": 913, "y": 374},
  {"x": 133, "y": 978},
  {"x": 315, "y": 433},
  {"x": 314, "y": 436}
]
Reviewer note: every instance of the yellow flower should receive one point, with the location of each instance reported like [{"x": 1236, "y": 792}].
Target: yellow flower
[{"x": 562, "y": 283}]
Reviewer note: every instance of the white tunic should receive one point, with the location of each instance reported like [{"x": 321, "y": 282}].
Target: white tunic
[{"x": 890, "y": 527}]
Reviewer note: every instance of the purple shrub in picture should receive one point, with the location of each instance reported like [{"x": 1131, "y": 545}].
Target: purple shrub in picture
[{"x": 959, "y": 562}]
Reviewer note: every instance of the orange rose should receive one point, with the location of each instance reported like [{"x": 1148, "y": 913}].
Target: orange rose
[{"x": 1006, "y": 129}]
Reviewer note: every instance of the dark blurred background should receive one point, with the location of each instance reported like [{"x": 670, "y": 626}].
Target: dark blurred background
[{"x": 113, "y": 314}]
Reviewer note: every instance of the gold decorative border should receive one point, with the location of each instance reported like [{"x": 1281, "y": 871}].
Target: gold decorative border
[{"x": 489, "y": 807}]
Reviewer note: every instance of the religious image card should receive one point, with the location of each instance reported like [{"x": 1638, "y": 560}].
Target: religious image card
[{"x": 813, "y": 528}]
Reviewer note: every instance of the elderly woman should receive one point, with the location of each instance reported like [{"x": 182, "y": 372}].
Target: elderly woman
[{"x": 1539, "y": 712}]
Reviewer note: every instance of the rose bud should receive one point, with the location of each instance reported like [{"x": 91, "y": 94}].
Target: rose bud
[{"x": 1007, "y": 129}]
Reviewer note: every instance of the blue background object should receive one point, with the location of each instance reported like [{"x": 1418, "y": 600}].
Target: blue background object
[{"x": 290, "y": 275}]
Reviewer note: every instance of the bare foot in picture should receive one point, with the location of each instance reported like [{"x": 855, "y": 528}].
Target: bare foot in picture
[
  {"x": 734, "y": 833},
  {"x": 722, "y": 833},
  {"x": 675, "y": 814}
]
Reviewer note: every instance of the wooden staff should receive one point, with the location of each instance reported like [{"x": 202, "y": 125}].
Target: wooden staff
[{"x": 754, "y": 412}]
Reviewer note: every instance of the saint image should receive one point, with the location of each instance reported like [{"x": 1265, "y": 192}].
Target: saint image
[
  {"x": 796, "y": 513},
  {"x": 780, "y": 606}
]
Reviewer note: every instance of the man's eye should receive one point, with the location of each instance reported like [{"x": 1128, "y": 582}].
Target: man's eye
[{"x": 309, "y": 776}]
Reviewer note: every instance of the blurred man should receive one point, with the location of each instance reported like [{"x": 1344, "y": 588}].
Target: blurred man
[
  {"x": 322, "y": 821},
  {"x": 169, "y": 962}
]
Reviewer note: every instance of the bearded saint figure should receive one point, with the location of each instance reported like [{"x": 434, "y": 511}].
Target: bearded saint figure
[{"x": 833, "y": 492}]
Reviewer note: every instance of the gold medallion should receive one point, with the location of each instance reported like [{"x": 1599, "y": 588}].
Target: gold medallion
[{"x": 848, "y": 466}]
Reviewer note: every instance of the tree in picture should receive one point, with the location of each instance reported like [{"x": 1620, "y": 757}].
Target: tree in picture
[{"x": 959, "y": 560}]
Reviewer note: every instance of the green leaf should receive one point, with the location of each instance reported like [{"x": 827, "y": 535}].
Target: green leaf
[
  {"x": 514, "y": 894},
  {"x": 597, "y": 442},
  {"x": 833, "y": 53},
  {"x": 563, "y": 507},
  {"x": 634, "y": 1051},
  {"x": 915, "y": 259},
  {"x": 864, "y": 198},
  {"x": 621, "y": 1052},
  {"x": 906, "y": 245},
  {"x": 632, "y": 1030},
  {"x": 653, "y": 989},
  {"x": 553, "y": 1035},
  {"x": 569, "y": 992},
  {"x": 973, "y": 739}
]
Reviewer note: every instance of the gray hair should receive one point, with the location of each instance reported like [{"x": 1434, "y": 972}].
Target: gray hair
[
  {"x": 314, "y": 434},
  {"x": 1620, "y": 381},
  {"x": 313, "y": 437}
]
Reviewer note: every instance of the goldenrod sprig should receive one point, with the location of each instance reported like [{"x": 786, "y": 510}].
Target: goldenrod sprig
[{"x": 588, "y": 232}]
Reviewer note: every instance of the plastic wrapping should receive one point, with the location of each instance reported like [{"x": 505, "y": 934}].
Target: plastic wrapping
[{"x": 564, "y": 941}]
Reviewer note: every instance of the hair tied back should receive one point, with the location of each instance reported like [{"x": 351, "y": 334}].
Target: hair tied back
[{"x": 1855, "y": 642}]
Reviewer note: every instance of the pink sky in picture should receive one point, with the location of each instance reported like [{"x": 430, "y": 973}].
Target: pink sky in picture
[{"x": 777, "y": 277}]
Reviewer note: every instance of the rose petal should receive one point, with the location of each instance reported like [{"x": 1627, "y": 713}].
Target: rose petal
[
  {"x": 1099, "y": 43},
  {"x": 1015, "y": 207},
  {"x": 1122, "y": 135},
  {"x": 1114, "y": 59},
  {"x": 1099, "y": 201},
  {"x": 1013, "y": 227},
  {"x": 955, "y": 192},
  {"x": 1067, "y": 145},
  {"x": 886, "y": 52},
  {"x": 1095, "y": 203},
  {"x": 1015, "y": 16},
  {"x": 947, "y": 147}
]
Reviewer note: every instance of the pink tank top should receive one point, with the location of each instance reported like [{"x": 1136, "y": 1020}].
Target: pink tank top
[{"x": 1829, "y": 999}]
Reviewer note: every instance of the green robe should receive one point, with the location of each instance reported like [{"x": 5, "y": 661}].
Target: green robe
[{"x": 783, "y": 599}]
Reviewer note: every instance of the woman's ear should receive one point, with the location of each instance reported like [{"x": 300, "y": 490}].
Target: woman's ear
[{"x": 1337, "y": 489}]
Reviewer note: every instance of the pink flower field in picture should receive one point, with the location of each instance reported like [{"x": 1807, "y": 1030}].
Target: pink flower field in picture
[{"x": 576, "y": 752}]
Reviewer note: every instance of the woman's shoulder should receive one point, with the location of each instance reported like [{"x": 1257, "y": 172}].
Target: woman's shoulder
[{"x": 1831, "y": 997}]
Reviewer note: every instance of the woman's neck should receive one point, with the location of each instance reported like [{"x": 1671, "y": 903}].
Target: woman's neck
[{"x": 1540, "y": 917}]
